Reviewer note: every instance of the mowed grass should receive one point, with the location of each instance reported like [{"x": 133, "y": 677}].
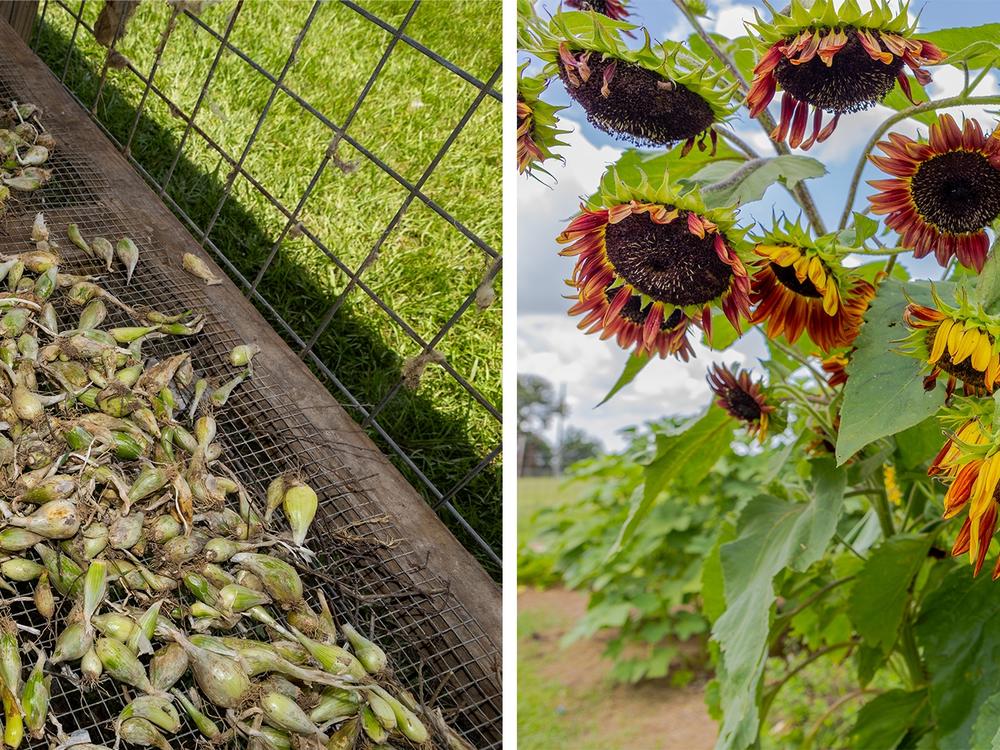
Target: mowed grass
[{"x": 424, "y": 268}]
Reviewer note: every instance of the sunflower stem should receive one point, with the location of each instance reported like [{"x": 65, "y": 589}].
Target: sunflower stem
[
  {"x": 903, "y": 114},
  {"x": 742, "y": 145},
  {"x": 802, "y": 360},
  {"x": 800, "y": 192}
]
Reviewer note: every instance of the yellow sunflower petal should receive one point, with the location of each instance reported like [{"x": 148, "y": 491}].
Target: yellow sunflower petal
[
  {"x": 982, "y": 353},
  {"x": 940, "y": 340},
  {"x": 831, "y": 300},
  {"x": 955, "y": 336},
  {"x": 966, "y": 345}
]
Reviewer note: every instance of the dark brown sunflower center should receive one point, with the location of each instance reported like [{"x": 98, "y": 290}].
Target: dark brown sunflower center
[
  {"x": 634, "y": 312},
  {"x": 666, "y": 261},
  {"x": 786, "y": 275},
  {"x": 854, "y": 81},
  {"x": 641, "y": 106},
  {"x": 743, "y": 405},
  {"x": 957, "y": 192}
]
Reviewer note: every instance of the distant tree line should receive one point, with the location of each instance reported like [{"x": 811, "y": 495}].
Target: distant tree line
[{"x": 538, "y": 406}]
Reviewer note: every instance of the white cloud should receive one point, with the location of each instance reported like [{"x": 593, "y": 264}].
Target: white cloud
[
  {"x": 551, "y": 346},
  {"x": 543, "y": 211}
]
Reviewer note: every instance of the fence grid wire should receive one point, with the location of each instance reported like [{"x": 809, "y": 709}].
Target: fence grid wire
[{"x": 442, "y": 499}]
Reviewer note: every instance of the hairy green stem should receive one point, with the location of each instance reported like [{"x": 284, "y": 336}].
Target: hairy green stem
[{"x": 954, "y": 101}]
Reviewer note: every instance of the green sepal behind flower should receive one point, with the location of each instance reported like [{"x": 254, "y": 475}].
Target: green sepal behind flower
[
  {"x": 825, "y": 14},
  {"x": 537, "y": 124}
]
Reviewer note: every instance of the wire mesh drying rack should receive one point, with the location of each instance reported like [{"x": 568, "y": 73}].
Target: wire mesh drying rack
[
  {"x": 439, "y": 652},
  {"x": 444, "y": 498}
]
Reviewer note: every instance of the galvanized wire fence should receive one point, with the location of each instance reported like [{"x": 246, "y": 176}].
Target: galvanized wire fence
[
  {"x": 370, "y": 577},
  {"x": 97, "y": 74}
]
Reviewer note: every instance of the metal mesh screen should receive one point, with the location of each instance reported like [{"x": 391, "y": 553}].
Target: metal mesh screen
[
  {"x": 466, "y": 479},
  {"x": 370, "y": 577}
]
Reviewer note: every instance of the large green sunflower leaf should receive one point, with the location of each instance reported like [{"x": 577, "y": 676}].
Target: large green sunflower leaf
[
  {"x": 958, "y": 631},
  {"x": 988, "y": 286},
  {"x": 976, "y": 46},
  {"x": 682, "y": 458},
  {"x": 986, "y": 730},
  {"x": 884, "y": 393},
  {"x": 772, "y": 535},
  {"x": 733, "y": 183},
  {"x": 883, "y": 721},
  {"x": 879, "y": 594}
]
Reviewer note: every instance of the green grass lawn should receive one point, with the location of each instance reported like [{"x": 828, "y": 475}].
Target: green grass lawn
[{"x": 425, "y": 268}]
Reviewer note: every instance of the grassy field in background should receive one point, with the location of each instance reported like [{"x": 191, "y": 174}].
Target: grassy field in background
[{"x": 425, "y": 269}]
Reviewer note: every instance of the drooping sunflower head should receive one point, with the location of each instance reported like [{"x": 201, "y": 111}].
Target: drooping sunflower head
[
  {"x": 960, "y": 341},
  {"x": 800, "y": 285},
  {"x": 969, "y": 462},
  {"x": 943, "y": 193},
  {"x": 537, "y": 124},
  {"x": 833, "y": 60},
  {"x": 652, "y": 96},
  {"x": 741, "y": 398},
  {"x": 648, "y": 252},
  {"x": 615, "y": 9},
  {"x": 634, "y": 323}
]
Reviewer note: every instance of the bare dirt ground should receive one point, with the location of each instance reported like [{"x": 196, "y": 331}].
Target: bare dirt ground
[{"x": 589, "y": 709}]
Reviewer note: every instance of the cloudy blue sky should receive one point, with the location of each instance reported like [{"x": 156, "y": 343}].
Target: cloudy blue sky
[{"x": 548, "y": 342}]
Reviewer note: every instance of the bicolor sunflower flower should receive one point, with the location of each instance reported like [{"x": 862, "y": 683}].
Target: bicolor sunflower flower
[
  {"x": 537, "y": 131},
  {"x": 611, "y": 8},
  {"x": 645, "y": 252},
  {"x": 970, "y": 463},
  {"x": 960, "y": 341},
  {"x": 802, "y": 286},
  {"x": 943, "y": 193},
  {"x": 833, "y": 60},
  {"x": 741, "y": 398},
  {"x": 626, "y": 320},
  {"x": 653, "y": 96}
]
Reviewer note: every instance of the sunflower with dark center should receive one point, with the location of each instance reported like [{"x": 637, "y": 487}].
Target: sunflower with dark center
[
  {"x": 969, "y": 464},
  {"x": 960, "y": 341},
  {"x": 611, "y": 8},
  {"x": 537, "y": 124},
  {"x": 943, "y": 193},
  {"x": 626, "y": 322},
  {"x": 644, "y": 253},
  {"x": 834, "y": 61},
  {"x": 802, "y": 286},
  {"x": 741, "y": 398},
  {"x": 653, "y": 96}
]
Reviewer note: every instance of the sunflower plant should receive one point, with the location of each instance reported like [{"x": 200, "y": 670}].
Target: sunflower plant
[{"x": 872, "y": 420}]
